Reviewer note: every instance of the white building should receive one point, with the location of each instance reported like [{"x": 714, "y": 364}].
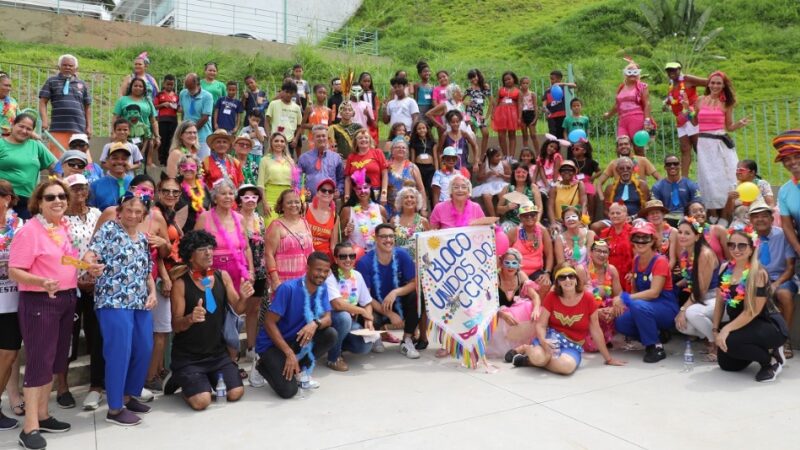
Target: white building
[{"x": 97, "y": 9}]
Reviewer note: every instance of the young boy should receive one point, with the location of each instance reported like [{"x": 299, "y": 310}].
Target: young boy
[
  {"x": 228, "y": 110},
  {"x": 254, "y": 99},
  {"x": 284, "y": 116},
  {"x": 122, "y": 130},
  {"x": 336, "y": 98},
  {"x": 303, "y": 89},
  {"x": 577, "y": 121},
  {"x": 440, "y": 186},
  {"x": 255, "y": 132},
  {"x": 556, "y": 111},
  {"x": 166, "y": 102},
  {"x": 402, "y": 109}
]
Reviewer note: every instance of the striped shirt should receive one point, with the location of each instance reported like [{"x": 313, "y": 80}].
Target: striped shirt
[{"x": 67, "y": 112}]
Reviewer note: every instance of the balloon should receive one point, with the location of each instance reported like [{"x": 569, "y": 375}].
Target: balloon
[
  {"x": 557, "y": 93},
  {"x": 641, "y": 138},
  {"x": 575, "y": 136},
  {"x": 748, "y": 192}
]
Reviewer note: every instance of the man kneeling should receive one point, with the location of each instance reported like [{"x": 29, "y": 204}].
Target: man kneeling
[
  {"x": 199, "y": 298},
  {"x": 297, "y": 329}
]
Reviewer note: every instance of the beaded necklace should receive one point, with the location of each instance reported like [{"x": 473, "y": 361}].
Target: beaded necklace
[
  {"x": 681, "y": 90},
  {"x": 348, "y": 287},
  {"x": 534, "y": 242},
  {"x": 376, "y": 279},
  {"x": 741, "y": 288}
]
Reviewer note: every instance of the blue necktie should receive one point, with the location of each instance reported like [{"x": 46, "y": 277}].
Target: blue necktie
[
  {"x": 66, "y": 87},
  {"x": 625, "y": 195},
  {"x": 676, "y": 201},
  {"x": 211, "y": 305},
  {"x": 763, "y": 252}
]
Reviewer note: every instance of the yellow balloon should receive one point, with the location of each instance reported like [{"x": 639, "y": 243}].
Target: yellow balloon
[{"x": 748, "y": 191}]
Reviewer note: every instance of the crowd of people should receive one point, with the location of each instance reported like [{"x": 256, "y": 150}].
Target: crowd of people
[{"x": 287, "y": 216}]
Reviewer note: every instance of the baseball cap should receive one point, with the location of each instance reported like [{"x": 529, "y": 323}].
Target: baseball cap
[
  {"x": 449, "y": 151},
  {"x": 79, "y": 137},
  {"x": 672, "y": 65},
  {"x": 74, "y": 154},
  {"x": 117, "y": 147},
  {"x": 643, "y": 227},
  {"x": 74, "y": 179}
]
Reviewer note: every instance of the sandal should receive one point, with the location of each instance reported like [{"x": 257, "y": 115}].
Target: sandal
[
  {"x": 711, "y": 357},
  {"x": 787, "y": 350},
  {"x": 242, "y": 374},
  {"x": 20, "y": 407}
]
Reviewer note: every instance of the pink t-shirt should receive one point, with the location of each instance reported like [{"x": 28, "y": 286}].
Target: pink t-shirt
[
  {"x": 629, "y": 100},
  {"x": 33, "y": 250},
  {"x": 444, "y": 215}
]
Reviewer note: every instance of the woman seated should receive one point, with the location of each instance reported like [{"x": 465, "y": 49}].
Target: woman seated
[
  {"x": 605, "y": 285},
  {"x": 520, "y": 306},
  {"x": 569, "y": 314},
  {"x": 521, "y": 182},
  {"x": 574, "y": 242},
  {"x": 532, "y": 240},
  {"x": 752, "y": 334},
  {"x": 655, "y": 213},
  {"x": 651, "y": 304},
  {"x": 699, "y": 281}
]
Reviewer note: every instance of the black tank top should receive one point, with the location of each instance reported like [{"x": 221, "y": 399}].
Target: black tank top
[{"x": 203, "y": 339}]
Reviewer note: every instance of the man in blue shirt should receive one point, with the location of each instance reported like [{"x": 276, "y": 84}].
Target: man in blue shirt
[
  {"x": 675, "y": 191},
  {"x": 322, "y": 163},
  {"x": 197, "y": 105},
  {"x": 391, "y": 277},
  {"x": 297, "y": 329},
  {"x": 106, "y": 191}
]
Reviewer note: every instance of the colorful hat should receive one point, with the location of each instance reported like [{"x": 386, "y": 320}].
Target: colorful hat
[
  {"x": 528, "y": 208},
  {"x": 74, "y": 179},
  {"x": 787, "y": 143}
]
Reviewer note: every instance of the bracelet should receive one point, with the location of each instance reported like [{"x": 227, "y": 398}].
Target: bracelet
[
  {"x": 715, "y": 330},
  {"x": 272, "y": 270}
]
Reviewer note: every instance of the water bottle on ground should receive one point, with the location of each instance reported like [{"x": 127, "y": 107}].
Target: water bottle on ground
[
  {"x": 305, "y": 380},
  {"x": 221, "y": 391},
  {"x": 688, "y": 357}
]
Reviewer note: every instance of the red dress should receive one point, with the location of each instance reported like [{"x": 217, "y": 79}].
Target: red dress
[
  {"x": 620, "y": 252},
  {"x": 506, "y": 114}
]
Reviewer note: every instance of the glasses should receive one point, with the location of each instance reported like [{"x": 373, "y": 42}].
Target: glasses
[
  {"x": 188, "y": 166},
  {"x": 528, "y": 216},
  {"x": 511, "y": 264},
  {"x": 77, "y": 165},
  {"x": 346, "y": 256},
  {"x": 601, "y": 252},
  {"x": 741, "y": 246},
  {"x": 79, "y": 145},
  {"x": 79, "y": 188},
  {"x": 53, "y": 197},
  {"x": 385, "y": 236},
  {"x": 624, "y": 168},
  {"x": 327, "y": 191},
  {"x": 171, "y": 192},
  {"x": 243, "y": 144},
  {"x": 641, "y": 241},
  {"x": 566, "y": 169},
  {"x": 569, "y": 276},
  {"x": 672, "y": 164}
]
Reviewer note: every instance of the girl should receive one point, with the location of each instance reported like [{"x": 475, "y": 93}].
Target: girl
[
  {"x": 480, "y": 94},
  {"x": 747, "y": 171},
  {"x": 588, "y": 170},
  {"x": 397, "y": 130},
  {"x": 423, "y": 90},
  {"x": 493, "y": 175},
  {"x": 716, "y": 235},
  {"x": 548, "y": 163},
  {"x": 528, "y": 112},
  {"x": 506, "y": 118},
  {"x": 421, "y": 147},
  {"x": 318, "y": 113},
  {"x": 456, "y": 138},
  {"x": 370, "y": 96}
]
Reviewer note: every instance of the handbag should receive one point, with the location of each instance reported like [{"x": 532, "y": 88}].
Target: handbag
[
  {"x": 775, "y": 316},
  {"x": 231, "y": 327}
]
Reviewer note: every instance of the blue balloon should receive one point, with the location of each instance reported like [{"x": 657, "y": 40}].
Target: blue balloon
[
  {"x": 575, "y": 136},
  {"x": 557, "y": 93}
]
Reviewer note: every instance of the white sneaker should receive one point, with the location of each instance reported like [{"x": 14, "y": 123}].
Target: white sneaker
[
  {"x": 146, "y": 396},
  {"x": 306, "y": 382},
  {"x": 407, "y": 349},
  {"x": 378, "y": 347},
  {"x": 251, "y": 355},
  {"x": 256, "y": 380},
  {"x": 92, "y": 400}
]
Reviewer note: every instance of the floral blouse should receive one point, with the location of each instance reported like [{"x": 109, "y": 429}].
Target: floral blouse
[{"x": 123, "y": 284}]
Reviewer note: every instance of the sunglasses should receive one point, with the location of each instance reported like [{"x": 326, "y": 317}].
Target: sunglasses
[
  {"x": 79, "y": 187},
  {"x": 632, "y": 72},
  {"x": 188, "y": 166},
  {"x": 569, "y": 276},
  {"x": 327, "y": 191},
  {"x": 76, "y": 165},
  {"x": 346, "y": 256},
  {"x": 171, "y": 192},
  {"x": 53, "y": 197},
  {"x": 741, "y": 246},
  {"x": 511, "y": 264},
  {"x": 641, "y": 241},
  {"x": 672, "y": 164},
  {"x": 528, "y": 216}
]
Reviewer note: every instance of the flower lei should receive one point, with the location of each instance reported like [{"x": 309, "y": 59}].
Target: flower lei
[
  {"x": 600, "y": 291},
  {"x": 372, "y": 217},
  {"x": 308, "y": 350},
  {"x": 52, "y": 232},
  {"x": 376, "y": 280},
  {"x": 681, "y": 89},
  {"x": 536, "y": 236},
  {"x": 196, "y": 199},
  {"x": 238, "y": 253},
  {"x": 5, "y": 238},
  {"x": 725, "y": 285},
  {"x": 748, "y": 230},
  {"x": 685, "y": 264},
  {"x": 348, "y": 287}
]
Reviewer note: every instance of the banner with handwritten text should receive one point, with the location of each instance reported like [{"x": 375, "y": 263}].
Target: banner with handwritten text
[{"x": 457, "y": 273}]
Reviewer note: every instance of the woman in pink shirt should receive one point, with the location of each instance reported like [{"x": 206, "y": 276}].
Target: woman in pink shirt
[
  {"x": 47, "y": 286},
  {"x": 632, "y": 104}
]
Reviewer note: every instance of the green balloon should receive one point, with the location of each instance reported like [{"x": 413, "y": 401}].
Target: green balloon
[{"x": 641, "y": 138}]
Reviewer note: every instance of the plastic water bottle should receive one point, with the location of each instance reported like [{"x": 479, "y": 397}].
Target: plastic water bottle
[
  {"x": 305, "y": 380},
  {"x": 688, "y": 357},
  {"x": 221, "y": 391}
]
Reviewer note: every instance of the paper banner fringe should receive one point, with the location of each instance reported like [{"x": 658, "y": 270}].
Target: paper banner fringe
[{"x": 470, "y": 358}]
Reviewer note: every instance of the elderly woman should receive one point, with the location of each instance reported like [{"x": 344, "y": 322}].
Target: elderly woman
[
  {"x": 362, "y": 215},
  {"x": 219, "y": 164},
  {"x": 140, "y": 65},
  {"x": 520, "y": 182},
  {"x": 137, "y": 108},
  {"x": 124, "y": 295},
  {"x": 558, "y": 345},
  {"x": 10, "y": 337},
  {"x": 242, "y": 147},
  {"x": 618, "y": 237},
  {"x": 627, "y": 188},
  {"x": 402, "y": 173},
  {"x": 632, "y": 104},
  {"x": 275, "y": 173},
  {"x": 533, "y": 243},
  {"x": 289, "y": 241},
  {"x": 46, "y": 302},
  {"x": 184, "y": 142},
  {"x": 372, "y": 160},
  {"x": 195, "y": 198},
  {"x": 651, "y": 304},
  {"x": 23, "y": 159},
  {"x": 605, "y": 286},
  {"x": 322, "y": 218}
]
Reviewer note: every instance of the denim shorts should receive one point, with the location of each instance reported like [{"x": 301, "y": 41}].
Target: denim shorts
[{"x": 573, "y": 353}]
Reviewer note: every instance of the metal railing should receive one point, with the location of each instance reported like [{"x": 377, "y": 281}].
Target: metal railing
[{"x": 84, "y": 8}]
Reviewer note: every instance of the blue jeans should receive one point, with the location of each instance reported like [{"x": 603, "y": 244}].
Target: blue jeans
[
  {"x": 644, "y": 318},
  {"x": 343, "y": 323}
]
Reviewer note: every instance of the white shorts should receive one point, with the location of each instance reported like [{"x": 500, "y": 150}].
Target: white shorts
[
  {"x": 688, "y": 129},
  {"x": 162, "y": 314}
]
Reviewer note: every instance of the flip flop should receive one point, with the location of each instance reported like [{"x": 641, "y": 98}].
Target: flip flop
[{"x": 20, "y": 407}]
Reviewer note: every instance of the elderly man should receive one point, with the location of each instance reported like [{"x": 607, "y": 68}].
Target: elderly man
[
  {"x": 198, "y": 301},
  {"x": 321, "y": 163},
  {"x": 197, "y": 105},
  {"x": 675, "y": 191},
  {"x": 642, "y": 167},
  {"x": 71, "y": 104},
  {"x": 297, "y": 329}
]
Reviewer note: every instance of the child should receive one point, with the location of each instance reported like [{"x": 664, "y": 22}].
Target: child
[
  {"x": 166, "y": 102},
  {"x": 527, "y": 157},
  {"x": 335, "y": 99},
  {"x": 555, "y": 109},
  {"x": 588, "y": 169},
  {"x": 423, "y": 90},
  {"x": 303, "y": 90},
  {"x": 456, "y": 138},
  {"x": 440, "y": 96},
  {"x": 440, "y": 186},
  {"x": 284, "y": 116},
  {"x": 480, "y": 95},
  {"x": 528, "y": 112},
  {"x": 254, "y": 99},
  {"x": 548, "y": 163},
  {"x": 492, "y": 176},
  {"x": 401, "y": 109},
  {"x": 398, "y": 129},
  {"x": 122, "y": 130},
  {"x": 227, "y": 110},
  {"x": 318, "y": 113},
  {"x": 577, "y": 121},
  {"x": 256, "y": 133},
  {"x": 505, "y": 120},
  {"x": 371, "y": 97}
]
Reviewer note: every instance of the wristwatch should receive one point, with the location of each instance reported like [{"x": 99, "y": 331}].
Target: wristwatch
[{"x": 319, "y": 324}]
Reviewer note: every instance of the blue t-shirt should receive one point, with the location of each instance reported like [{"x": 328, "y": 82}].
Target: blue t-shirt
[
  {"x": 196, "y": 106},
  {"x": 106, "y": 191},
  {"x": 789, "y": 202},
  {"x": 779, "y": 252},
  {"x": 227, "y": 109},
  {"x": 688, "y": 191},
  {"x": 93, "y": 171},
  {"x": 289, "y": 302},
  {"x": 406, "y": 271}
]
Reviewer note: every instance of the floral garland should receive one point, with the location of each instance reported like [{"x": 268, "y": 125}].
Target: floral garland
[
  {"x": 196, "y": 199},
  {"x": 238, "y": 253},
  {"x": 5, "y": 238},
  {"x": 52, "y": 232},
  {"x": 372, "y": 217},
  {"x": 741, "y": 288},
  {"x": 308, "y": 350},
  {"x": 376, "y": 280},
  {"x": 685, "y": 263},
  {"x": 600, "y": 291},
  {"x": 348, "y": 287},
  {"x": 536, "y": 236},
  {"x": 681, "y": 89}
]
